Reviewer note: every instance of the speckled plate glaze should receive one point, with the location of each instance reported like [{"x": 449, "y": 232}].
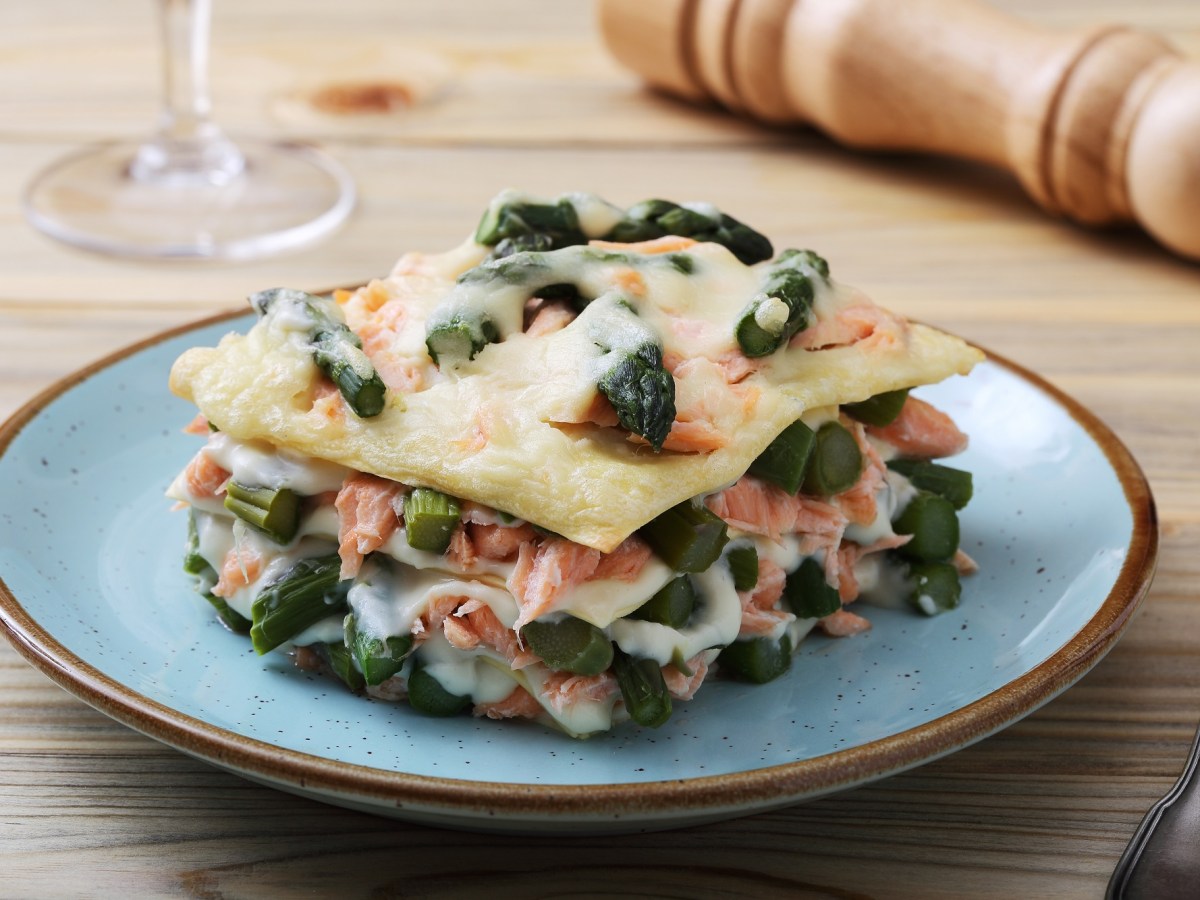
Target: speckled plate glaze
[{"x": 1062, "y": 524}]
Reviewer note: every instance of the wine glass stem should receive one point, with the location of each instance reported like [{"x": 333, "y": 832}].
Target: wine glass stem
[{"x": 189, "y": 147}]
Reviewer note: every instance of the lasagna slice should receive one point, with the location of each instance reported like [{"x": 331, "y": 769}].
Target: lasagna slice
[{"x": 570, "y": 468}]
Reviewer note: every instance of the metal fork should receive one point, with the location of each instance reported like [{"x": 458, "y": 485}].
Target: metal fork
[{"x": 1162, "y": 860}]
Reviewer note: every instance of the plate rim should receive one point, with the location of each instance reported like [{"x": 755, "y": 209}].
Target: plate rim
[{"x": 710, "y": 795}]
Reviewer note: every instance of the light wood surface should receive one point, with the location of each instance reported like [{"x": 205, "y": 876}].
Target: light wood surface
[{"x": 523, "y": 94}]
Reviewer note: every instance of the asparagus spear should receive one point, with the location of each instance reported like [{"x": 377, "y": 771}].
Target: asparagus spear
[
  {"x": 936, "y": 587},
  {"x": 514, "y": 223},
  {"x": 632, "y": 376},
  {"x": 688, "y": 537},
  {"x": 782, "y": 306},
  {"x": 933, "y": 524},
  {"x": 673, "y": 604},
  {"x": 304, "y": 595},
  {"x": 427, "y": 696},
  {"x": 655, "y": 218},
  {"x": 808, "y": 594},
  {"x": 570, "y": 645},
  {"x": 273, "y": 511},
  {"x": 511, "y": 226},
  {"x": 757, "y": 660},
  {"x": 785, "y": 460},
  {"x": 341, "y": 663},
  {"x": 336, "y": 349},
  {"x": 743, "y": 566},
  {"x": 953, "y": 484},
  {"x": 206, "y": 577},
  {"x": 378, "y": 660},
  {"x": 430, "y": 518},
  {"x": 643, "y": 689},
  {"x": 881, "y": 409}
]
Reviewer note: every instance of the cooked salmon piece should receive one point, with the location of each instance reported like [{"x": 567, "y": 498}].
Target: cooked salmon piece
[
  {"x": 198, "y": 426},
  {"x": 921, "y": 431},
  {"x": 850, "y": 325},
  {"x": 562, "y": 689},
  {"x": 630, "y": 282},
  {"x": 479, "y": 618},
  {"x": 548, "y": 317},
  {"x": 668, "y": 243},
  {"x": 327, "y": 401},
  {"x": 367, "y": 517},
  {"x": 241, "y": 566},
  {"x": 520, "y": 704},
  {"x": 843, "y": 623},
  {"x": 848, "y": 556},
  {"x": 860, "y": 501},
  {"x": 761, "y": 614},
  {"x": 684, "y": 687},
  {"x": 547, "y": 570},
  {"x": 458, "y": 634},
  {"x": 757, "y": 507},
  {"x": 626, "y": 562},
  {"x": 499, "y": 542},
  {"x": 462, "y": 549},
  {"x": 204, "y": 478}
]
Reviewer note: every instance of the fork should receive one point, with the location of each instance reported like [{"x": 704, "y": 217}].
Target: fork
[{"x": 1162, "y": 860}]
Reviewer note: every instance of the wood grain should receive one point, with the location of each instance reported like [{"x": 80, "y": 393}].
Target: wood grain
[{"x": 522, "y": 94}]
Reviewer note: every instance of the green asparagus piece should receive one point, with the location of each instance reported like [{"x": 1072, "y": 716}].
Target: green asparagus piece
[
  {"x": 642, "y": 392},
  {"x": 881, "y": 409},
  {"x": 426, "y": 694},
  {"x": 786, "y": 458},
  {"x": 688, "y": 537},
  {"x": 336, "y": 350},
  {"x": 743, "y": 565},
  {"x": 783, "y": 305},
  {"x": 953, "y": 484},
  {"x": 836, "y": 462},
  {"x": 933, "y": 524},
  {"x": 227, "y": 615},
  {"x": 304, "y": 595},
  {"x": 338, "y": 353},
  {"x": 655, "y": 218},
  {"x": 273, "y": 511},
  {"x": 643, "y": 689},
  {"x": 515, "y": 226},
  {"x": 378, "y": 660},
  {"x": 193, "y": 562},
  {"x": 430, "y": 518},
  {"x": 461, "y": 336},
  {"x": 206, "y": 575},
  {"x": 808, "y": 594},
  {"x": 672, "y": 605},
  {"x": 757, "y": 660},
  {"x": 570, "y": 645},
  {"x": 936, "y": 587},
  {"x": 341, "y": 663}
]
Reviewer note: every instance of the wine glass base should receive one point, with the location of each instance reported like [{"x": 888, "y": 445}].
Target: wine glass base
[{"x": 288, "y": 195}]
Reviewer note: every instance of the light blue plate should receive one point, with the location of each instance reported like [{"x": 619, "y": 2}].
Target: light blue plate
[{"x": 1062, "y": 526}]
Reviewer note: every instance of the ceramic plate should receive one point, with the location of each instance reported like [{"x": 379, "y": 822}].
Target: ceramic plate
[{"x": 1062, "y": 526}]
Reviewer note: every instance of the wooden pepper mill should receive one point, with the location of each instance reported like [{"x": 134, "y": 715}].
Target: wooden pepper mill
[{"x": 1100, "y": 126}]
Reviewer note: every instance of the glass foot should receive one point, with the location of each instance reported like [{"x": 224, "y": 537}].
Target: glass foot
[{"x": 285, "y": 196}]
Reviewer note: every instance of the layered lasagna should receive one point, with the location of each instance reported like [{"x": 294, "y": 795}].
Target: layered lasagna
[{"x": 573, "y": 468}]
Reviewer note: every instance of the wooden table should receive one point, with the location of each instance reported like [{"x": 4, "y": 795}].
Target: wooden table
[{"x": 523, "y": 94}]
